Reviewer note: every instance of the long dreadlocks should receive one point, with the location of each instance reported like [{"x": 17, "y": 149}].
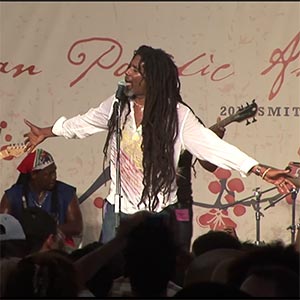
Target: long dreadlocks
[{"x": 159, "y": 124}]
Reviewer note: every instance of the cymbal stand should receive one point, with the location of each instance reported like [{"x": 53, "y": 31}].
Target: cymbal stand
[
  {"x": 257, "y": 208},
  {"x": 292, "y": 227},
  {"x": 258, "y": 215}
]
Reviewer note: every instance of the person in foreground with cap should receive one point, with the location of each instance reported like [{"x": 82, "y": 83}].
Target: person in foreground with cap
[
  {"x": 13, "y": 246},
  {"x": 36, "y": 233},
  {"x": 12, "y": 237},
  {"x": 37, "y": 186}
]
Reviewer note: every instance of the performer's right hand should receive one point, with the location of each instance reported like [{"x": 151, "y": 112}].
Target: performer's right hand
[{"x": 35, "y": 136}]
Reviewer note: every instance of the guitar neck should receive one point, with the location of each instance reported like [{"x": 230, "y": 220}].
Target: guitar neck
[
  {"x": 223, "y": 123},
  {"x": 12, "y": 151}
]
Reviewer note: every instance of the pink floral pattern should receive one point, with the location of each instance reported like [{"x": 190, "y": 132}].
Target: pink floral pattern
[{"x": 217, "y": 218}]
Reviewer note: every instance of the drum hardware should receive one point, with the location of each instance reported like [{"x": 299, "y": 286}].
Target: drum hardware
[
  {"x": 293, "y": 194},
  {"x": 256, "y": 203}
]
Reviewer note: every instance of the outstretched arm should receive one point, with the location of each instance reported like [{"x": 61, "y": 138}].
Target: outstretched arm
[
  {"x": 36, "y": 135},
  {"x": 269, "y": 174},
  {"x": 202, "y": 143}
]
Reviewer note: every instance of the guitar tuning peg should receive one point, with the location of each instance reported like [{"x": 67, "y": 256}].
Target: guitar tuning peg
[{"x": 254, "y": 120}]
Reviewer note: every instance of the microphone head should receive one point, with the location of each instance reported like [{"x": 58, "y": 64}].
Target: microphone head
[
  {"x": 120, "y": 93},
  {"x": 122, "y": 83}
]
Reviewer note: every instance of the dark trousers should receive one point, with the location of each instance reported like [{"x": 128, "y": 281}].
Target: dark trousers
[{"x": 180, "y": 219}]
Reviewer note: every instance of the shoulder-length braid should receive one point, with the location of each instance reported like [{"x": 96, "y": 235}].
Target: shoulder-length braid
[{"x": 160, "y": 123}]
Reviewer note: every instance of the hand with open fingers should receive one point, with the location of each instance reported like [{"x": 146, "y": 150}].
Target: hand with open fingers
[
  {"x": 280, "y": 178},
  {"x": 35, "y": 136}
]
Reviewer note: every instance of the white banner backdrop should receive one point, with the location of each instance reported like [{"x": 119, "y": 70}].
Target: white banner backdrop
[{"x": 62, "y": 58}]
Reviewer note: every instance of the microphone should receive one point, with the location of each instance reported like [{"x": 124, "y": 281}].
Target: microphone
[{"x": 120, "y": 91}]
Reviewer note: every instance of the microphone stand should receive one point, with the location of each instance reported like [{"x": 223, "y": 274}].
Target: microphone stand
[
  {"x": 117, "y": 111},
  {"x": 118, "y": 196},
  {"x": 258, "y": 214}
]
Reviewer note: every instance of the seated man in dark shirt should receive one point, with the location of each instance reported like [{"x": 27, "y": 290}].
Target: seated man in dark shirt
[{"x": 37, "y": 186}]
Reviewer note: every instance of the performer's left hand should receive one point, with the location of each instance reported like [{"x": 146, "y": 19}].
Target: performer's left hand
[{"x": 280, "y": 178}]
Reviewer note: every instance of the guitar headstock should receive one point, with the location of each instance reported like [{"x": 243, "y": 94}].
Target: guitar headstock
[
  {"x": 13, "y": 150},
  {"x": 244, "y": 113}
]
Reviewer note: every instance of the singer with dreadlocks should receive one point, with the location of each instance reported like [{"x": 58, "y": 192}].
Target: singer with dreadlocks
[{"x": 156, "y": 125}]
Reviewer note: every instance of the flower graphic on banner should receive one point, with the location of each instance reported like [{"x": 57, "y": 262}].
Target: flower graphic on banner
[{"x": 217, "y": 217}]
